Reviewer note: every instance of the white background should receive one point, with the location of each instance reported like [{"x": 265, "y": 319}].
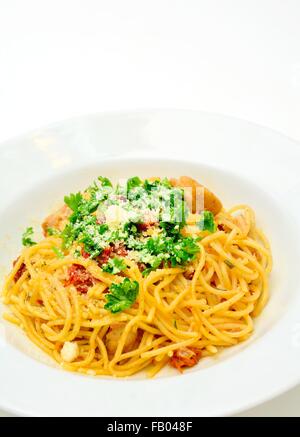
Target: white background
[{"x": 60, "y": 58}]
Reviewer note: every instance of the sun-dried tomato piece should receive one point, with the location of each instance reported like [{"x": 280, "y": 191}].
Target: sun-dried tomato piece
[
  {"x": 21, "y": 270},
  {"x": 185, "y": 357},
  {"x": 120, "y": 250},
  {"x": 85, "y": 254},
  {"x": 105, "y": 255},
  {"x": 80, "y": 278}
]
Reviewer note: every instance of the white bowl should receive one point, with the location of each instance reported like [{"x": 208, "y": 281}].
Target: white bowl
[{"x": 240, "y": 376}]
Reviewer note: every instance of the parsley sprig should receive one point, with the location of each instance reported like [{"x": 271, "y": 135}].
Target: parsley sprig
[
  {"x": 26, "y": 237},
  {"x": 121, "y": 296},
  {"x": 114, "y": 265},
  {"x": 207, "y": 222}
]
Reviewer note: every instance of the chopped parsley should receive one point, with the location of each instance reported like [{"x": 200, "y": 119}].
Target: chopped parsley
[
  {"x": 73, "y": 201},
  {"x": 105, "y": 182},
  {"x": 114, "y": 265},
  {"x": 77, "y": 253},
  {"x": 121, "y": 296},
  {"x": 133, "y": 183},
  {"x": 52, "y": 231},
  {"x": 58, "y": 252},
  {"x": 26, "y": 237},
  {"x": 175, "y": 250},
  {"x": 229, "y": 263},
  {"x": 207, "y": 222}
]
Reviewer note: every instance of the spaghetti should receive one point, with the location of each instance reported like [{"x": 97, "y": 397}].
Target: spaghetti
[{"x": 130, "y": 305}]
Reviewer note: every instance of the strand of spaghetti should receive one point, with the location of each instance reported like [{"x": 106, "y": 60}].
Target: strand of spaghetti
[
  {"x": 138, "y": 366},
  {"x": 157, "y": 367},
  {"x": 248, "y": 328},
  {"x": 151, "y": 314},
  {"x": 51, "y": 302},
  {"x": 36, "y": 312},
  {"x": 166, "y": 281},
  {"x": 230, "y": 238},
  {"x": 143, "y": 339},
  {"x": 108, "y": 320},
  {"x": 149, "y": 329},
  {"x": 91, "y": 352},
  {"x": 201, "y": 261},
  {"x": 209, "y": 239},
  {"x": 196, "y": 303},
  {"x": 131, "y": 363},
  {"x": 208, "y": 288},
  {"x": 166, "y": 320},
  {"x": 77, "y": 316},
  {"x": 97, "y": 290},
  {"x": 253, "y": 295},
  {"x": 167, "y": 349},
  {"x": 123, "y": 338},
  {"x": 26, "y": 324},
  {"x": 223, "y": 305},
  {"x": 168, "y": 331},
  {"x": 216, "y": 332},
  {"x": 209, "y": 271},
  {"x": 182, "y": 314},
  {"x": 177, "y": 300},
  {"x": 103, "y": 351},
  {"x": 226, "y": 275},
  {"x": 10, "y": 318},
  {"x": 249, "y": 242},
  {"x": 238, "y": 314},
  {"x": 9, "y": 291},
  {"x": 47, "y": 304},
  {"x": 154, "y": 276},
  {"x": 250, "y": 259},
  {"x": 68, "y": 317},
  {"x": 140, "y": 350},
  {"x": 17, "y": 301},
  {"x": 238, "y": 265}
]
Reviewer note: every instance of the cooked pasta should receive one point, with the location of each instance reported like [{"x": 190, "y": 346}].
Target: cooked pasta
[{"x": 116, "y": 286}]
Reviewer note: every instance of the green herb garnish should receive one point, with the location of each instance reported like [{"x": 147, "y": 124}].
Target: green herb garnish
[
  {"x": 73, "y": 201},
  {"x": 114, "y": 265},
  {"x": 207, "y": 222},
  {"x": 121, "y": 296},
  {"x": 133, "y": 183},
  {"x": 52, "y": 231},
  {"x": 26, "y": 237},
  {"x": 176, "y": 250},
  {"x": 229, "y": 263},
  {"x": 77, "y": 253},
  {"x": 58, "y": 252},
  {"x": 105, "y": 182}
]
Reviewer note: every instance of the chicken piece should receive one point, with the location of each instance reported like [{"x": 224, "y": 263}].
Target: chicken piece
[
  {"x": 113, "y": 337},
  {"x": 69, "y": 351},
  {"x": 185, "y": 357},
  {"x": 57, "y": 220},
  {"x": 211, "y": 202}
]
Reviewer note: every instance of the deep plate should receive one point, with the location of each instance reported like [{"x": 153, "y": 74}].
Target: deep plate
[{"x": 241, "y": 376}]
